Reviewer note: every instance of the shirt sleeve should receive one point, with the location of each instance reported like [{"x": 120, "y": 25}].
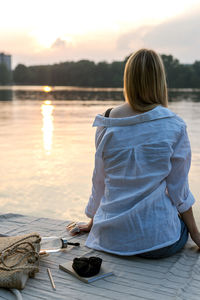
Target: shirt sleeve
[
  {"x": 98, "y": 180},
  {"x": 177, "y": 180}
]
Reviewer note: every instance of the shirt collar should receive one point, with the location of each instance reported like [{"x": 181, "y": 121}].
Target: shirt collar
[{"x": 159, "y": 112}]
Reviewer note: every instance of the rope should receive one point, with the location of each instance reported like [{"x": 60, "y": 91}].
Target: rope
[{"x": 22, "y": 247}]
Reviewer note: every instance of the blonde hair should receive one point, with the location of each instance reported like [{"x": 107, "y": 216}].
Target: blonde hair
[{"x": 145, "y": 84}]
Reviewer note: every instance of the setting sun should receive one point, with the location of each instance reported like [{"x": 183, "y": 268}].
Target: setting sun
[{"x": 47, "y": 89}]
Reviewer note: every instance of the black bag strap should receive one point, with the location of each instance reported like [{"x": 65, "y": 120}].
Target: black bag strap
[{"x": 107, "y": 113}]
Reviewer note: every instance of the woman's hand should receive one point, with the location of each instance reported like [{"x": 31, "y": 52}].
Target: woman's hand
[
  {"x": 86, "y": 227},
  {"x": 196, "y": 238},
  {"x": 189, "y": 220},
  {"x": 76, "y": 228}
]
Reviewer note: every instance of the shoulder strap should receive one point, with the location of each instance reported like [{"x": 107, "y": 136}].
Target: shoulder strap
[{"x": 107, "y": 113}]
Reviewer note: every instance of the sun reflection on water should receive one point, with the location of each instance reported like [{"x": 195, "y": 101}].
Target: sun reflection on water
[{"x": 47, "y": 112}]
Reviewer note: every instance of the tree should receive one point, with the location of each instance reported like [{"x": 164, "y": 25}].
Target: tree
[
  {"x": 21, "y": 74},
  {"x": 196, "y": 67},
  {"x": 117, "y": 71},
  {"x": 87, "y": 73}
]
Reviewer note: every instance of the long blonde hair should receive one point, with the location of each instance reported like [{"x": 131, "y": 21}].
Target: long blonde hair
[{"x": 145, "y": 84}]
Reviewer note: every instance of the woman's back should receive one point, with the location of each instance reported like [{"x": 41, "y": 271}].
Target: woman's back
[
  {"x": 134, "y": 160},
  {"x": 142, "y": 160}
]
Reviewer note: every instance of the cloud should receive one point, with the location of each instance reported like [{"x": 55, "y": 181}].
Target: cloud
[
  {"x": 59, "y": 43},
  {"x": 178, "y": 36},
  {"x": 91, "y": 47}
]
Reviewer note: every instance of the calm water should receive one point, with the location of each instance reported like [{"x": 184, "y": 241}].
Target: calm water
[{"x": 47, "y": 147}]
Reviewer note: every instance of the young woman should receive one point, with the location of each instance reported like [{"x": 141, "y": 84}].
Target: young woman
[{"x": 141, "y": 203}]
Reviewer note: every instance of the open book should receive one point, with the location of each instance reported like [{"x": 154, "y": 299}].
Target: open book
[{"x": 67, "y": 267}]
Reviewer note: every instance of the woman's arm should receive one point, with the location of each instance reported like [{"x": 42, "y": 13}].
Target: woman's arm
[
  {"x": 189, "y": 220},
  {"x": 177, "y": 180},
  {"x": 98, "y": 186},
  {"x": 178, "y": 187},
  {"x": 98, "y": 178}
]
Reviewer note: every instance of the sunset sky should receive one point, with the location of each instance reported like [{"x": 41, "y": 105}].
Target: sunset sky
[{"x": 42, "y": 32}]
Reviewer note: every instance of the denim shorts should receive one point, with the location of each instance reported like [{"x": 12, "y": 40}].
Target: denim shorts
[{"x": 169, "y": 250}]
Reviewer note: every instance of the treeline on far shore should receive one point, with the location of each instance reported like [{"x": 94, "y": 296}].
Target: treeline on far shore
[{"x": 86, "y": 73}]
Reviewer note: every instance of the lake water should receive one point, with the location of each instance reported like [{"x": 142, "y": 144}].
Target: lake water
[{"x": 47, "y": 147}]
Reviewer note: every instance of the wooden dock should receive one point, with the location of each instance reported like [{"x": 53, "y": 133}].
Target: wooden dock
[{"x": 177, "y": 277}]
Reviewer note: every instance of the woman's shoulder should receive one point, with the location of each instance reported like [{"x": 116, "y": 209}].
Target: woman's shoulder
[
  {"x": 178, "y": 121},
  {"x": 113, "y": 111},
  {"x": 121, "y": 111}
]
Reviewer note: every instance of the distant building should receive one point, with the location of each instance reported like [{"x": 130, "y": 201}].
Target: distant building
[{"x": 5, "y": 59}]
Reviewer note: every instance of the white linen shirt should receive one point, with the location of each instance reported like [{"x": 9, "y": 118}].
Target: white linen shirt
[{"x": 140, "y": 182}]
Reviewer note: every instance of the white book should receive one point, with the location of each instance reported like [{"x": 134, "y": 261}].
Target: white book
[{"x": 67, "y": 267}]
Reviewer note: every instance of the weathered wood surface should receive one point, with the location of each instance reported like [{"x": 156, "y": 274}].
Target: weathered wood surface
[{"x": 177, "y": 277}]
